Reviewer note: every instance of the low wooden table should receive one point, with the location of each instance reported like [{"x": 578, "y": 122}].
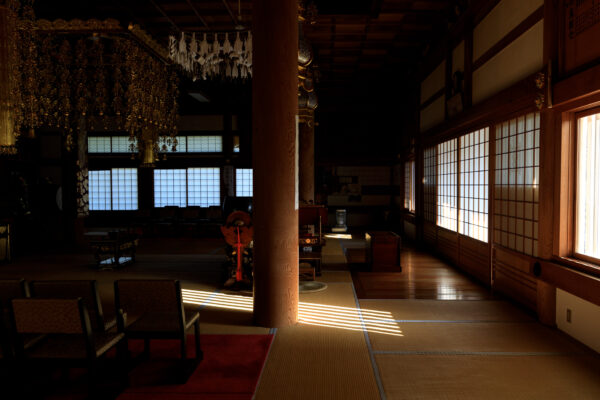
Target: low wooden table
[{"x": 112, "y": 248}]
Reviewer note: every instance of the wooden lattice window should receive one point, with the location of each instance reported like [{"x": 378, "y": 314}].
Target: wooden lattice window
[
  {"x": 114, "y": 189},
  {"x": 516, "y": 189},
  {"x": 446, "y": 185},
  {"x": 587, "y": 194},
  {"x": 429, "y": 184},
  {"x": 409, "y": 186},
  {"x": 474, "y": 170}
]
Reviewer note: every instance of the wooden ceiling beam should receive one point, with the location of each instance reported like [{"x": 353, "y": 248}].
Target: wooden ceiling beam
[
  {"x": 228, "y": 8},
  {"x": 160, "y": 10},
  {"x": 200, "y": 18}
]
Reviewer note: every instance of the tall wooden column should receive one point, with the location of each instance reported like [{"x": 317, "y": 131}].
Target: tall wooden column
[
  {"x": 307, "y": 158},
  {"x": 274, "y": 109}
]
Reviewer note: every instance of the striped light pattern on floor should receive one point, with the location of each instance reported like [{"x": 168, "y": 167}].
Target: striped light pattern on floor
[{"x": 331, "y": 316}]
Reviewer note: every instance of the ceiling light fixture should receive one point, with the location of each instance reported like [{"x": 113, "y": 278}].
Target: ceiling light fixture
[{"x": 239, "y": 26}]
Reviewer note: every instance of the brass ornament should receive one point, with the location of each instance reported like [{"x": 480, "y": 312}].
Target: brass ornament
[{"x": 91, "y": 75}]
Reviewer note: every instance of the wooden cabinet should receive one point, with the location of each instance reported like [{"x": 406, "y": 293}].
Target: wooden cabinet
[{"x": 383, "y": 251}]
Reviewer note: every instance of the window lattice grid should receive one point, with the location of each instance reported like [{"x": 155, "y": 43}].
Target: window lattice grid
[
  {"x": 243, "y": 182},
  {"x": 474, "y": 175},
  {"x": 112, "y": 144},
  {"x": 165, "y": 145},
  {"x": 99, "y": 144},
  {"x": 124, "y": 144},
  {"x": 516, "y": 188},
  {"x": 99, "y": 190},
  {"x": 446, "y": 185},
  {"x": 124, "y": 189},
  {"x": 587, "y": 210},
  {"x": 170, "y": 187},
  {"x": 204, "y": 187},
  {"x": 429, "y": 184},
  {"x": 409, "y": 186},
  {"x": 205, "y": 144}
]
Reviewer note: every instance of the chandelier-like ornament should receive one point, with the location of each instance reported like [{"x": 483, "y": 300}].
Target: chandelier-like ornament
[{"x": 209, "y": 59}]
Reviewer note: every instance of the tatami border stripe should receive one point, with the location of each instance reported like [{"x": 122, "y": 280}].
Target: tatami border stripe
[
  {"x": 471, "y": 353},
  {"x": 272, "y": 331},
  {"x": 369, "y": 347},
  {"x": 466, "y": 321}
]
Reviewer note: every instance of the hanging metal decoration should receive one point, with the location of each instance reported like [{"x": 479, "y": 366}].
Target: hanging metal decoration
[
  {"x": 10, "y": 100},
  {"x": 74, "y": 75},
  {"x": 214, "y": 55}
]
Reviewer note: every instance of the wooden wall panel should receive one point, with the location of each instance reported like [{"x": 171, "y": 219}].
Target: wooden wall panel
[
  {"x": 581, "y": 27},
  {"x": 512, "y": 276},
  {"x": 430, "y": 234},
  {"x": 575, "y": 282},
  {"x": 474, "y": 258},
  {"x": 447, "y": 244}
]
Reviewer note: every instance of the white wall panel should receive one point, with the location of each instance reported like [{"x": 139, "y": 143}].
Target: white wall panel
[
  {"x": 585, "y": 318},
  {"x": 503, "y": 18},
  {"x": 516, "y": 61},
  {"x": 433, "y": 114},
  {"x": 434, "y": 82}
]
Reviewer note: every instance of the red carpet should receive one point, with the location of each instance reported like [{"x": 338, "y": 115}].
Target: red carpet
[{"x": 230, "y": 370}]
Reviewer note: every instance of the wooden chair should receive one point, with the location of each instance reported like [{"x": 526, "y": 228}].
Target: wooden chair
[
  {"x": 9, "y": 289},
  {"x": 154, "y": 310},
  {"x": 72, "y": 289},
  {"x": 64, "y": 336}
]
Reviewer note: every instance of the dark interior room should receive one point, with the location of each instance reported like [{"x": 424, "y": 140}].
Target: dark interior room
[{"x": 298, "y": 199}]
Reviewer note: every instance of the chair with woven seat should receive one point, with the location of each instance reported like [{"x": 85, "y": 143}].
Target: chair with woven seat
[
  {"x": 9, "y": 289},
  {"x": 63, "y": 336},
  {"x": 72, "y": 289},
  {"x": 154, "y": 310}
]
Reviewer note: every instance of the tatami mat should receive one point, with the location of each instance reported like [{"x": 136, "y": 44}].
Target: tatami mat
[
  {"x": 336, "y": 294},
  {"x": 325, "y": 356},
  {"x": 437, "y": 310},
  {"x": 228, "y": 322},
  {"x": 479, "y": 377},
  {"x": 313, "y": 362},
  {"x": 333, "y": 254},
  {"x": 476, "y": 337},
  {"x": 334, "y": 276}
]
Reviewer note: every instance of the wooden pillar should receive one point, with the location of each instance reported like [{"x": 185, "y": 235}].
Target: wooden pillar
[
  {"x": 274, "y": 110},
  {"x": 546, "y": 303},
  {"x": 307, "y": 158},
  {"x": 7, "y": 137}
]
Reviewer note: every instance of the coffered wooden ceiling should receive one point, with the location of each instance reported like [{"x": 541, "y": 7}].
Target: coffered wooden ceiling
[{"x": 353, "y": 40}]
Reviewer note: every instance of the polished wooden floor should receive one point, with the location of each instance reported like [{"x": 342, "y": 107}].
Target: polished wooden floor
[{"x": 423, "y": 276}]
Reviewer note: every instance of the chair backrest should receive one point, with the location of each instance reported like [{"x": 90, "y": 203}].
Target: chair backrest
[
  {"x": 12, "y": 289},
  {"x": 52, "y": 316},
  {"x": 38, "y": 316},
  {"x": 160, "y": 297},
  {"x": 72, "y": 289}
]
